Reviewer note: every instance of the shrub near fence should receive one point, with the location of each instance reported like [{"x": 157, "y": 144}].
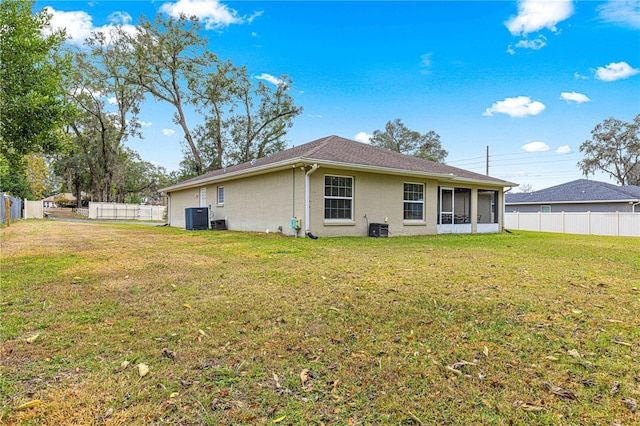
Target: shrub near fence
[
  {"x": 622, "y": 224},
  {"x": 119, "y": 211}
]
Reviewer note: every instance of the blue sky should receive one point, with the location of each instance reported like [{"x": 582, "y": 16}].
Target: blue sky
[{"x": 529, "y": 79}]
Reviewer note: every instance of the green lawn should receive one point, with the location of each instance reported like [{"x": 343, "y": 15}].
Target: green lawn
[{"x": 240, "y": 328}]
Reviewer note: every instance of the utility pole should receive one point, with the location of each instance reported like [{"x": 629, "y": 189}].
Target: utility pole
[{"x": 487, "y": 160}]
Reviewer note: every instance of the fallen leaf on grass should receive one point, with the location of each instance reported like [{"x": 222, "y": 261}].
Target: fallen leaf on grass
[
  {"x": 124, "y": 365},
  {"x": 202, "y": 332},
  {"x": 279, "y": 419},
  {"x": 615, "y": 388},
  {"x": 558, "y": 391},
  {"x": 169, "y": 354},
  {"x": 528, "y": 407},
  {"x": 32, "y": 339},
  {"x": 631, "y": 404},
  {"x": 173, "y": 395},
  {"x": 143, "y": 370},
  {"x": 574, "y": 353},
  {"x": 453, "y": 370},
  {"x": 27, "y": 405},
  {"x": 485, "y": 351},
  {"x": 105, "y": 415},
  {"x": 186, "y": 305},
  {"x": 304, "y": 376}
]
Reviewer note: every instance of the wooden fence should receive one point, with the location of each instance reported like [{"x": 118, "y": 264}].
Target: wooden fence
[{"x": 589, "y": 223}]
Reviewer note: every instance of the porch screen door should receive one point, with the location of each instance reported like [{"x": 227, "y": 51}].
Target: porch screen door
[{"x": 446, "y": 206}]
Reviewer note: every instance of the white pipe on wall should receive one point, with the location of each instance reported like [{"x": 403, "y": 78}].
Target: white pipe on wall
[{"x": 306, "y": 197}]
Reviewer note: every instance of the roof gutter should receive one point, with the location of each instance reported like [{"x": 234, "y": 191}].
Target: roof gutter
[{"x": 403, "y": 172}]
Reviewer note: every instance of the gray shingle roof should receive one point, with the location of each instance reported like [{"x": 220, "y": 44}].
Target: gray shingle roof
[
  {"x": 338, "y": 150},
  {"x": 581, "y": 190}
]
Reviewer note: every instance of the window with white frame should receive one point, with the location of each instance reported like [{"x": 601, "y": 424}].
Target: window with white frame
[
  {"x": 338, "y": 197},
  {"x": 221, "y": 195},
  {"x": 413, "y": 201},
  {"x": 545, "y": 209}
]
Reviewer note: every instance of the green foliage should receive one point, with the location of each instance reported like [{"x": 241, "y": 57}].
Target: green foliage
[
  {"x": 398, "y": 137},
  {"x": 31, "y": 95},
  {"x": 162, "y": 58},
  {"x": 14, "y": 181},
  {"x": 614, "y": 148}
]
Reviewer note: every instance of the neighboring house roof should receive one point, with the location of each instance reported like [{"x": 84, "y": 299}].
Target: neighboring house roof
[
  {"x": 338, "y": 152},
  {"x": 577, "y": 191},
  {"x": 69, "y": 196}
]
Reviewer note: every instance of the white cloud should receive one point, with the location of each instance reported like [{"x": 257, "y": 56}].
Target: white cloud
[
  {"x": 112, "y": 101},
  {"x": 534, "y": 15},
  {"x": 574, "y": 97},
  {"x": 535, "y": 44},
  {"x": 425, "y": 63},
  {"x": 510, "y": 50},
  {"x": 362, "y": 137},
  {"x": 145, "y": 123},
  {"x": 168, "y": 132},
  {"x": 536, "y": 147},
  {"x": 564, "y": 149},
  {"x": 615, "y": 71},
  {"x": 120, "y": 18},
  {"x": 579, "y": 76},
  {"x": 314, "y": 115},
  {"x": 271, "y": 79},
  {"x": 79, "y": 24},
  {"x": 213, "y": 14},
  {"x": 520, "y": 106},
  {"x": 621, "y": 12}
]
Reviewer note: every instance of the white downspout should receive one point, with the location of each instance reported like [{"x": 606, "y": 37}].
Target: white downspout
[
  {"x": 306, "y": 197},
  {"x": 633, "y": 207}
]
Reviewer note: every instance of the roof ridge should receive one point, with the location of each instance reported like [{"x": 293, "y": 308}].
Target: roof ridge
[{"x": 320, "y": 146}]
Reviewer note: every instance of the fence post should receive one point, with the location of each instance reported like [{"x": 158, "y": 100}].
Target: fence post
[
  {"x": 588, "y": 223},
  {"x": 617, "y": 223},
  {"x": 539, "y": 221}
]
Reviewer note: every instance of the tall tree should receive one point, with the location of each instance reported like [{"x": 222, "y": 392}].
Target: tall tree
[
  {"x": 244, "y": 118},
  {"x": 40, "y": 176},
  {"x": 108, "y": 108},
  {"x": 260, "y": 118},
  {"x": 396, "y": 136},
  {"x": 32, "y": 104},
  {"x": 214, "y": 99},
  {"x": 163, "y": 57},
  {"x": 614, "y": 148}
]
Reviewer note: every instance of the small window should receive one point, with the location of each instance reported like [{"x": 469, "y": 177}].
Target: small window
[
  {"x": 413, "y": 201},
  {"x": 221, "y": 195},
  {"x": 338, "y": 197},
  {"x": 545, "y": 209}
]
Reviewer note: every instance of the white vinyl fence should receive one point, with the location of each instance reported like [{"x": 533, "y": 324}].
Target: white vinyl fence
[
  {"x": 33, "y": 209},
  {"x": 120, "y": 211},
  {"x": 590, "y": 223}
]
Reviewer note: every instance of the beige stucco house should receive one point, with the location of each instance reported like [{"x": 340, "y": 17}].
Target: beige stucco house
[{"x": 339, "y": 187}]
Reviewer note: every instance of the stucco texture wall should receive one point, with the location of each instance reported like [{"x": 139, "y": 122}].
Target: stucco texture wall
[{"x": 269, "y": 202}]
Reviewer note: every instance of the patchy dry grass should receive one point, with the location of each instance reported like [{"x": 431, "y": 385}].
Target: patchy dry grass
[{"x": 263, "y": 329}]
